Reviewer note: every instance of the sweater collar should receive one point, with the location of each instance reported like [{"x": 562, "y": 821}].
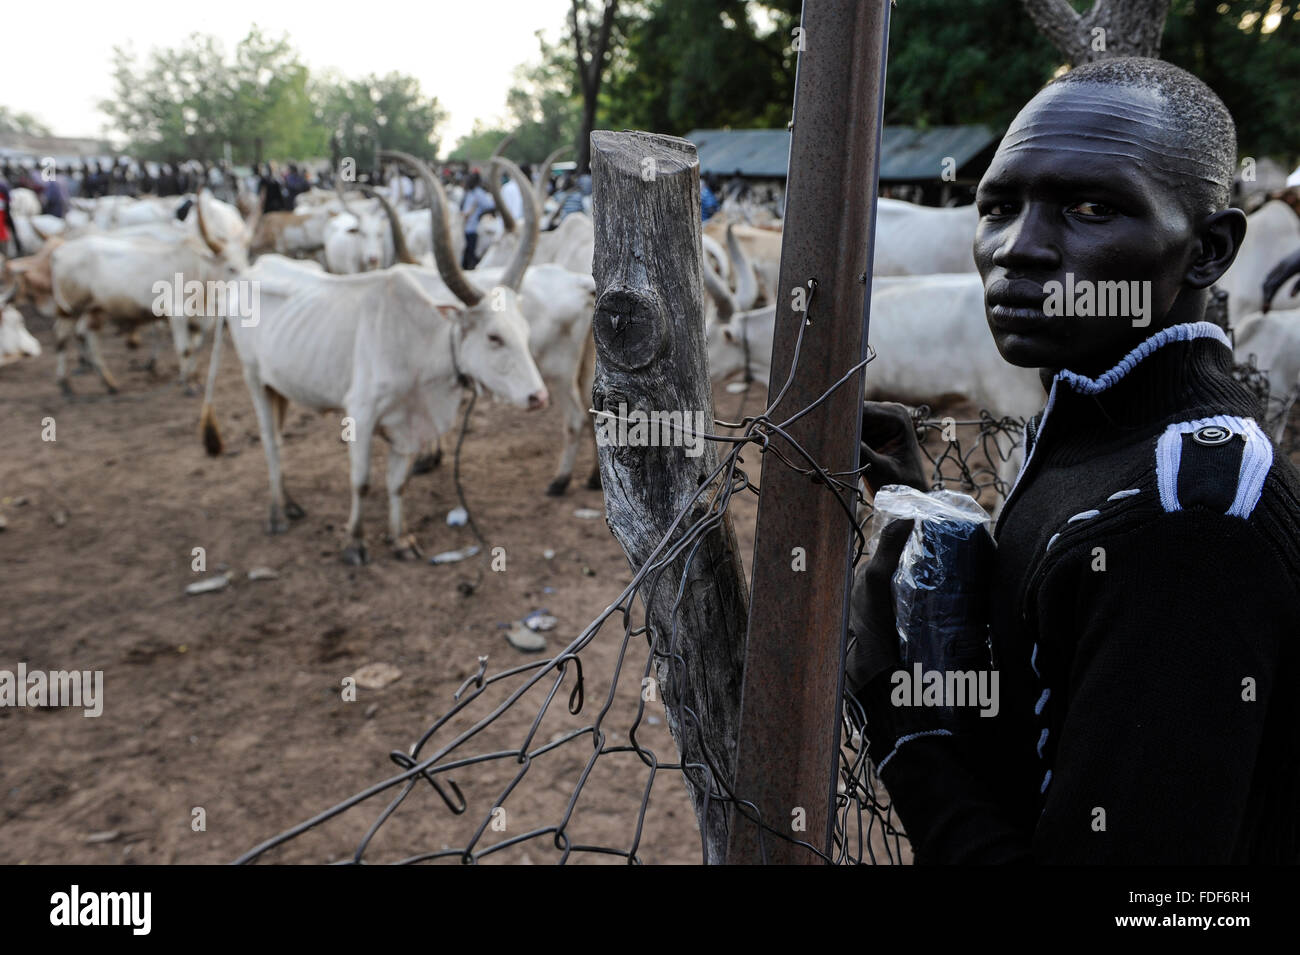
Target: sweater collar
[{"x": 1180, "y": 373}]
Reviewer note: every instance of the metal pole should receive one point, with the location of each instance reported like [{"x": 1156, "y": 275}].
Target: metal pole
[{"x": 789, "y": 726}]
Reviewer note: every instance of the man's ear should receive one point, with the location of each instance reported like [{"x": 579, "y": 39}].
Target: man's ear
[{"x": 1220, "y": 241}]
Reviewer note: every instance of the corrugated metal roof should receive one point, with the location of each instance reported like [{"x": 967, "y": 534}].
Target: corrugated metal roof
[{"x": 907, "y": 153}]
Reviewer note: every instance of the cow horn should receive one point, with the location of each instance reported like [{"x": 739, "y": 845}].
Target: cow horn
[
  {"x": 719, "y": 292},
  {"x": 448, "y": 267},
  {"x": 746, "y": 281},
  {"x": 218, "y": 248},
  {"x": 400, "y": 248},
  {"x": 506, "y": 140},
  {"x": 492, "y": 178},
  {"x": 545, "y": 177},
  {"x": 514, "y": 273}
]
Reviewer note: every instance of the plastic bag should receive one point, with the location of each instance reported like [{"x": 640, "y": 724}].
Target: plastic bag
[{"x": 941, "y": 586}]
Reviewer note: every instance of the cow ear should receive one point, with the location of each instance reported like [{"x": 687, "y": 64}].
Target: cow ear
[{"x": 451, "y": 312}]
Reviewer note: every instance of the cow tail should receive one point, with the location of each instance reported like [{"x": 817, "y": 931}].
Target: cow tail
[{"x": 208, "y": 418}]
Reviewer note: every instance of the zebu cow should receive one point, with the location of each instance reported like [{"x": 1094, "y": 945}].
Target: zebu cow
[
  {"x": 390, "y": 356},
  {"x": 557, "y": 304},
  {"x": 1271, "y": 340},
  {"x": 923, "y": 240},
  {"x": 355, "y": 243},
  {"x": 1272, "y": 232},
  {"x": 15, "y": 341},
  {"x": 98, "y": 277},
  {"x": 570, "y": 245},
  {"x": 933, "y": 344},
  {"x": 932, "y": 338}
]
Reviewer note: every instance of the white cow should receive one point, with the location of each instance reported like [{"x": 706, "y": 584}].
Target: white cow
[
  {"x": 377, "y": 347},
  {"x": 15, "y": 341},
  {"x": 1272, "y": 340},
  {"x": 355, "y": 243},
  {"x": 933, "y": 344},
  {"x": 570, "y": 244},
  {"x": 923, "y": 240},
  {"x": 931, "y": 337},
  {"x": 558, "y": 304},
  {"x": 108, "y": 276},
  {"x": 1272, "y": 232}
]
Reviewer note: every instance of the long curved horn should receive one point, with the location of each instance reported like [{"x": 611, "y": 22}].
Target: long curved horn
[
  {"x": 506, "y": 140},
  {"x": 400, "y": 248},
  {"x": 343, "y": 199},
  {"x": 514, "y": 273},
  {"x": 711, "y": 248},
  {"x": 448, "y": 267},
  {"x": 746, "y": 281},
  {"x": 719, "y": 292},
  {"x": 546, "y": 171},
  {"x": 218, "y": 248},
  {"x": 493, "y": 177}
]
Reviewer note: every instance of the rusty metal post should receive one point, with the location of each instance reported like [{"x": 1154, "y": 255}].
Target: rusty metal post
[{"x": 790, "y": 704}]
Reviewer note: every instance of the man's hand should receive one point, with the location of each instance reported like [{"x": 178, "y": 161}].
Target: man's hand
[
  {"x": 889, "y": 445},
  {"x": 873, "y": 633},
  {"x": 1278, "y": 275}
]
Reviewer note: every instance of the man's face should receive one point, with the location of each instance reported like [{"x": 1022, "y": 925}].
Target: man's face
[{"x": 1082, "y": 183}]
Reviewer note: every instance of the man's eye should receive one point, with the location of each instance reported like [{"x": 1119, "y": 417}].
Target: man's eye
[
  {"x": 1092, "y": 210},
  {"x": 996, "y": 210}
]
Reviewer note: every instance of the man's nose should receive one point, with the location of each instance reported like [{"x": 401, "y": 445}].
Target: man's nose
[{"x": 1029, "y": 242}]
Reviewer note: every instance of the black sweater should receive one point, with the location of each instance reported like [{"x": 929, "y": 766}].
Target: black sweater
[{"x": 1145, "y": 625}]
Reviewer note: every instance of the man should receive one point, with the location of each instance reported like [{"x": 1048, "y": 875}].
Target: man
[
  {"x": 476, "y": 202},
  {"x": 55, "y": 200},
  {"x": 512, "y": 198},
  {"x": 1144, "y": 610},
  {"x": 708, "y": 199}
]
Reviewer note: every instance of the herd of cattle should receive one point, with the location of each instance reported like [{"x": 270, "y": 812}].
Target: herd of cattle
[{"x": 355, "y": 305}]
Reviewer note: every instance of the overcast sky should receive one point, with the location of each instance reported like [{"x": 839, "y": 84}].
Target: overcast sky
[{"x": 63, "y": 67}]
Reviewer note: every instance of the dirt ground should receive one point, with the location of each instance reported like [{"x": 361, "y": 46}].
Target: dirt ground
[{"x": 232, "y": 701}]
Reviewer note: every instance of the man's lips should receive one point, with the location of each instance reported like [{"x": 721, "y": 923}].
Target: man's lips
[
  {"x": 1015, "y": 304},
  {"x": 1015, "y": 294}
]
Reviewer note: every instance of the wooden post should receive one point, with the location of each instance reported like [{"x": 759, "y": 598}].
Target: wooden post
[
  {"x": 789, "y": 742},
  {"x": 651, "y": 356}
]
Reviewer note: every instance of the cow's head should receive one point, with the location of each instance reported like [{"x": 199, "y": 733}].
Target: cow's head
[
  {"x": 491, "y": 348},
  {"x": 369, "y": 233},
  {"x": 29, "y": 280},
  {"x": 229, "y": 254}
]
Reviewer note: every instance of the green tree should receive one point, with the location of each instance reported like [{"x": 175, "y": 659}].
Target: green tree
[
  {"x": 954, "y": 62},
  {"x": 191, "y": 101},
  {"x": 389, "y": 112},
  {"x": 1247, "y": 51},
  {"x": 24, "y": 124},
  {"x": 696, "y": 63}
]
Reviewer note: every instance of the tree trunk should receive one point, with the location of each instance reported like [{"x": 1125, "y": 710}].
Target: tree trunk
[
  {"x": 650, "y": 356},
  {"x": 1110, "y": 28}
]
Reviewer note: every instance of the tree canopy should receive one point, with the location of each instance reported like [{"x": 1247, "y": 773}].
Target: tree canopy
[
  {"x": 676, "y": 65},
  {"x": 191, "y": 101}
]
